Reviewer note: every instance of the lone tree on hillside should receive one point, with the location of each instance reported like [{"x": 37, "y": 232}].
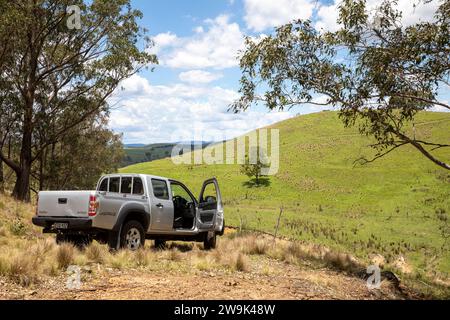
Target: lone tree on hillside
[
  {"x": 252, "y": 168},
  {"x": 377, "y": 72}
]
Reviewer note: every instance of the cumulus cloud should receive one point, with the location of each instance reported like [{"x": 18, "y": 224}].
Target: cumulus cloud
[
  {"x": 199, "y": 76},
  {"x": 412, "y": 12},
  {"x": 179, "y": 112},
  {"x": 264, "y": 14},
  {"x": 214, "y": 45}
]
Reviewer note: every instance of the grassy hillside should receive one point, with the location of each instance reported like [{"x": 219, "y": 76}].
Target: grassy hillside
[{"x": 398, "y": 206}]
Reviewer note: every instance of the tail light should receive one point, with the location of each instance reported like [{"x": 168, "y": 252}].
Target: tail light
[{"x": 93, "y": 205}]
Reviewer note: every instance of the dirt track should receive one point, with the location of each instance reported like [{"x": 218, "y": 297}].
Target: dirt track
[{"x": 285, "y": 282}]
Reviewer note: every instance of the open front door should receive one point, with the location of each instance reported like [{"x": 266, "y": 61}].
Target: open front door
[{"x": 210, "y": 207}]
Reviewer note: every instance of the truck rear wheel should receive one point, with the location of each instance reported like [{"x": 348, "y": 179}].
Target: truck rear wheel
[
  {"x": 210, "y": 241},
  {"x": 132, "y": 236}
]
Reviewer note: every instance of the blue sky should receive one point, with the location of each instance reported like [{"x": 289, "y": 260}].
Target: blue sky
[{"x": 187, "y": 95}]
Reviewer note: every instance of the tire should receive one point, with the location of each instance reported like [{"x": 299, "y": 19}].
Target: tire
[
  {"x": 112, "y": 240},
  {"x": 210, "y": 241},
  {"x": 160, "y": 244},
  {"x": 222, "y": 232},
  {"x": 132, "y": 236}
]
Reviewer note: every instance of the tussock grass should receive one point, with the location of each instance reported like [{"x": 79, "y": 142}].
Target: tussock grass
[
  {"x": 255, "y": 245},
  {"x": 144, "y": 258},
  {"x": 96, "y": 252},
  {"x": 65, "y": 255},
  {"x": 120, "y": 260},
  {"x": 241, "y": 262}
]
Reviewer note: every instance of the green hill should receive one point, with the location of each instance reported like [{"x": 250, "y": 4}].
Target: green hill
[{"x": 398, "y": 206}]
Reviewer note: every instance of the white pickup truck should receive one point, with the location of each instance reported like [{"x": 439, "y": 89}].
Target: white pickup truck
[{"x": 127, "y": 209}]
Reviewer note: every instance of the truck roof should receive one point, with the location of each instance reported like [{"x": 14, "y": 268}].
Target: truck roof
[{"x": 133, "y": 174}]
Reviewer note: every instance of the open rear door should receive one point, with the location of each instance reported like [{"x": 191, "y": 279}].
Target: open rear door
[{"x": 210, "y": 207}]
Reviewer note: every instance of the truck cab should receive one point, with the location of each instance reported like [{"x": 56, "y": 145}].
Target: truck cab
[{"x": 127, "y": 209}]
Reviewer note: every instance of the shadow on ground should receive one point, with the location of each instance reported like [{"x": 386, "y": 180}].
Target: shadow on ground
[{"x": 262, "y": 182}]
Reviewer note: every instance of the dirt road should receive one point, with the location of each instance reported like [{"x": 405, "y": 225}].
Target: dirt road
[{"x": 284, "y": 281}]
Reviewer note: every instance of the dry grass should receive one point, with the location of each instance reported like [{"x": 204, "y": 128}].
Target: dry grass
[
  {"x": 255, "y": 245},
  {"x": 241, "y": 263},
  {"x": 174, "y": 254},
  {"x": 25, "y": 264},
  {"x": 120, "y": 260},
  {"x": 65, "y": 255},
  {"x": 96, "y": 252},
  {"x": 143, "y": 257}
]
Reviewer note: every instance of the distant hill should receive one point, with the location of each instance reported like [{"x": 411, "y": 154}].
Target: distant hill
[
  {"x": 398, "y": 206},
  {"x": 135, "y": 145},
  {"x": 138, "y": 153}
]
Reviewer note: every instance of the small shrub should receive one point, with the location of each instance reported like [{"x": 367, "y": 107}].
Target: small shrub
[{"x": 17, "y": 227}]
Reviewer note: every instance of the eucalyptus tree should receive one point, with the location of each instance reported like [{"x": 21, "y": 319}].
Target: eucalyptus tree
[
  {"x": 377, "y": 72},
  {"x": 64, "y": 64}
]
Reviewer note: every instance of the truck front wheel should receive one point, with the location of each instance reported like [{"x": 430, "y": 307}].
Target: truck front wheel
[
  {"x": 210, "y": 241},
  {"x": 132, "y": 236}
]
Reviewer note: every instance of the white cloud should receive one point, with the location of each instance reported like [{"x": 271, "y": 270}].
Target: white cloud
[
  {"x": 216, "y": 47},
  {"x": 199, "y": 76},
  {"x": 327, "y": 17},
  {"x": 263, "y": 14},
  {"x": 148, "y": 113},
  {"x": 412, "y": 12},
  {"x": 163, "y": 40}
]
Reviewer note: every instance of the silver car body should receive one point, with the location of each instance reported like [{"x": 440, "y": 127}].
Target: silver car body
[{"x": 113, "y": 205}]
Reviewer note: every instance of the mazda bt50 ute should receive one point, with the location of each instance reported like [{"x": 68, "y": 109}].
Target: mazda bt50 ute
[{"x": 127, "y": 209}]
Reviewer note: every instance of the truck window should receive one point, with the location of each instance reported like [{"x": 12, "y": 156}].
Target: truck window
[
  {"x": 114, "y": 184},
  {"x": 103, "y": 185},
  {"x": 210, "y": 193},
  {"x": 138, "y": 187},
  {"x": 160, "y": 189},
  {"x": 125, "y": 186}
]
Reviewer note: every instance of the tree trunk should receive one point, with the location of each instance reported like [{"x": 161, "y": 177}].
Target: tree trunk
[
  {"x": 2, "y": 179},
  {"x": 22, "y": 186}
]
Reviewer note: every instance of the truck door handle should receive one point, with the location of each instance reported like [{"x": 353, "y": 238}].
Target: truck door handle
[{"x": 159, "y": 205}]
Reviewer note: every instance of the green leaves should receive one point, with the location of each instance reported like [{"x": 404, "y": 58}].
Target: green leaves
[
  {"x": 61, "y": 76},
  {"x": 372, "y": 69}
]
